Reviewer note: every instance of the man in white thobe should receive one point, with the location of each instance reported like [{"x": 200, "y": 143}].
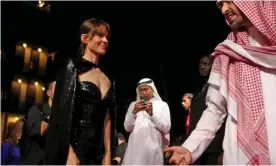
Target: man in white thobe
[
  {"x": 148, "y": 120},
  {"x": 242, "y": 85}
]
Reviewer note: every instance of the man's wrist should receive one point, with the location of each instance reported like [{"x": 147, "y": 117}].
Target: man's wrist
[
  {"x": 190, "y": 150},
  {"x": 133, "y": 115},
  {"x": 187, "y": 147},
  {"x": 135, "y": 111}
]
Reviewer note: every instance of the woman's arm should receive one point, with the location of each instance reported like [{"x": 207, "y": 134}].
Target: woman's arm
[{"x": 107, "y": 139}]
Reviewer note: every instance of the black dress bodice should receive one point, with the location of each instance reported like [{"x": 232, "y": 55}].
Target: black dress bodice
[
  {"x": 88, "y": 121},
  {"x": 77, "y": 116}
]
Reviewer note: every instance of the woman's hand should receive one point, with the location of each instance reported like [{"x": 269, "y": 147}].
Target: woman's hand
[{"x": 107, "y": 158}]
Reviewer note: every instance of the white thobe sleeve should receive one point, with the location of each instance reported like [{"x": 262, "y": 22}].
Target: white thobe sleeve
[
  {"x": 210, "y": 121},
  {"x": 130, "y": 118},
  {"x": 161, "y": 117}
]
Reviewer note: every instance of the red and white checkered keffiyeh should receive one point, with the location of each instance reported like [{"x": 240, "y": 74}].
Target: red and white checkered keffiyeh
[{"x": 243, "y": 81}]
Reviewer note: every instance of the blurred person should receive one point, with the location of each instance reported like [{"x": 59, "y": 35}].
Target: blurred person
[
  {"x": 148, "y": 121},
  {"x": 32, "y": 143},
  {"x": 121, "y": 149},
  {"x": 10, "y": 150},
  {"x": 186, "y": 102},
  {"x": 81, "y": 124},
  {"x": 242, "y": 84}
]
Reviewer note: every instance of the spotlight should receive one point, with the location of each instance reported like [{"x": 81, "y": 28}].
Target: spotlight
[
  {"x": 41, "y": 3},
  {"x": 19, "y": 81}
]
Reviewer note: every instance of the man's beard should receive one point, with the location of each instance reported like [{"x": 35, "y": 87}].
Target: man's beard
[{"x": 237, "y": 25}]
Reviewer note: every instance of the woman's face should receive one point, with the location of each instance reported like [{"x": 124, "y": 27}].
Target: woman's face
[{"x": 99, "y": 42}]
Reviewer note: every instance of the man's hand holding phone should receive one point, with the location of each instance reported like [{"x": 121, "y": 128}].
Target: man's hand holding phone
[
  {"x": 149, "y": 108},
  {"x": 140, "y": 105}
]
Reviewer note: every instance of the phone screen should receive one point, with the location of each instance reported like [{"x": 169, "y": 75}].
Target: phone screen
[{"x": 143, "y": 98}]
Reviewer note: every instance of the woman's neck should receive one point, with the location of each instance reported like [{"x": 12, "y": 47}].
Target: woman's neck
[{"x": 91, "y": 57}]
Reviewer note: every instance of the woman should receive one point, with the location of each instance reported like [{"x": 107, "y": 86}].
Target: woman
[
  {"x": 10, "y": 152},
  {"x": 82, "y": 111}
]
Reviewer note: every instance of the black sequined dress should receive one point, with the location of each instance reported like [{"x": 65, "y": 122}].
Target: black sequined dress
[
  {"x": 77, "y": 116},
  {"x": 87, "y": 124}
]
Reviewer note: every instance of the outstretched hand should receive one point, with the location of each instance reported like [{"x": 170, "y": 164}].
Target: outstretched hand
[{"x": 180, "y": 156}]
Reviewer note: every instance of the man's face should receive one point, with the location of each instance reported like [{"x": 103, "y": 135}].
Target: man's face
[
  {"x": 233, "y": 15},
  {"x": 51, "y": 90},
  {"x": 145, "y": 90},
  {"x": 205, "y": 65},
  {"x": 186, "y": 102}
]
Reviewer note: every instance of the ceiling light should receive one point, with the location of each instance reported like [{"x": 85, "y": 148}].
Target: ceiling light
[{"x": 41, "y": 3}]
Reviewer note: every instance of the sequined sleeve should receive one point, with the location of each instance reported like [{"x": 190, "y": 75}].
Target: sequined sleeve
[
  {"x": 58, "y": 134},
  {"x": 113, "y": 115}
]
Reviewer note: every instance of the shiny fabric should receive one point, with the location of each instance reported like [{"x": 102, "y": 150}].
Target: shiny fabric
[{"x": 77, "y": 116}]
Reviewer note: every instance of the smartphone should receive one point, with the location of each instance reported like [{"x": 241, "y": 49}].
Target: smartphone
[{"x": 144, "y": 98}]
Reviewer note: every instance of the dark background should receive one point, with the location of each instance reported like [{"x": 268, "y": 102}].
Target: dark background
[{"x": 160, "y": 40}]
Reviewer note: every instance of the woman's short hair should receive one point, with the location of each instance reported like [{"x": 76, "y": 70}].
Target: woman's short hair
[{"x": 91, "y": 28}]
